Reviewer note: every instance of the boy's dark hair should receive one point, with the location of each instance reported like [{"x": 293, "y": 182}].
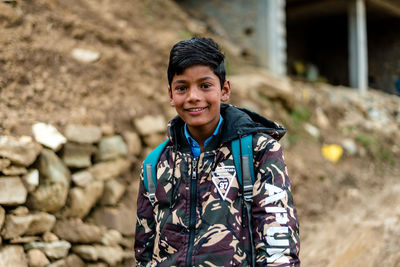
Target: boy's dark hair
[{"x": 196, "y": 51}]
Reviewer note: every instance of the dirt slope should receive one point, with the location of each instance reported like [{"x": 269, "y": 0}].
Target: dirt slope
[
  {"x": 40, "y": 80},
  {"x": 349, "y": 210}
]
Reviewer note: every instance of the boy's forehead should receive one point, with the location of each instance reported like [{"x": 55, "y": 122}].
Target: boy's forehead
[
  {"x": 197, "y": 67},
  {"x": 198, "y": 71}
]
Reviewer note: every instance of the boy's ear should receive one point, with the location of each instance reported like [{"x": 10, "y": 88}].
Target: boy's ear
[
  {"x": 226, "y": 91},
  {"x": 171, "y": 99}
]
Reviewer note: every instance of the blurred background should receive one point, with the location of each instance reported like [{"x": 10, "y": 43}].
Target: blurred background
[{"x": 83, "y": 99}]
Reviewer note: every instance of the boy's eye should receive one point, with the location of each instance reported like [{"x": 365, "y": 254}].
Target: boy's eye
[
  {"x": 180, "y": 88},
  {"x": 205, "y": 85}
]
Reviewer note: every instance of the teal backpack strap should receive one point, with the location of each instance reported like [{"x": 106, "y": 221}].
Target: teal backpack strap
[
  {"x": 242, "y": 150},
  {"x": 149, "y": 170},
  {"x": 247, "y": 166}
]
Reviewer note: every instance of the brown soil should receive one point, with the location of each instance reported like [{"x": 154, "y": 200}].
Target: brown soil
[{"x": 348, "y": 211}]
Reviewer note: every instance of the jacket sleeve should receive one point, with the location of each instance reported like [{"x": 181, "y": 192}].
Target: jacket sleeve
[
  {"x": 274, "y": 218},
  {"x": 145, "y": 227}
]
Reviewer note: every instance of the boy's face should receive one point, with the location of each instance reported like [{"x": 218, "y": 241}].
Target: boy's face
[{"x": 196, "y": 95}]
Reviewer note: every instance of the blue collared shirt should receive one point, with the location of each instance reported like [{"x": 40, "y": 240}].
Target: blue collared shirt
[{"x": 193, "y": 143}]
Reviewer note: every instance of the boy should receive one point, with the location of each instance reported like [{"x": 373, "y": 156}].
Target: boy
[{"x": 199, "y": 216}]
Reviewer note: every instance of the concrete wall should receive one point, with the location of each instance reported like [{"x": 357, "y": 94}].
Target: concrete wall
[
  {"x": 317, "y": 33},
  {"x": 236, "y": 17}
]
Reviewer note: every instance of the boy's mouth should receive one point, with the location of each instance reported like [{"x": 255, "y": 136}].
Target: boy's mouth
[{"x": 195, "y": 109}]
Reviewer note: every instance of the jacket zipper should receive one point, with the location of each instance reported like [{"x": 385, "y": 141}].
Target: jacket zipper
[{"x": 192, "y": 219}]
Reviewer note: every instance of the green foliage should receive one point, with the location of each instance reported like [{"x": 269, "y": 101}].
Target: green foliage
[
  {"x": 294, "y": 122},
  {"x": 185, "y": 34},
  {"x": 364, "y": 140},
  {"x": 350, "y": 128},
  {"x": 228, "y": 67},
  {"x": 292, "y": 138},
  {"x": 300, "y": 114},
  {"x": 385, "y": 155},
  {"x": 377, "y": 148}
]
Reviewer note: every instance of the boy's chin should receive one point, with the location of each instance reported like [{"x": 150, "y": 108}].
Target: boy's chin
[
  {"x": 195, "y": 124},
  {"x": 200, "y": 124}
]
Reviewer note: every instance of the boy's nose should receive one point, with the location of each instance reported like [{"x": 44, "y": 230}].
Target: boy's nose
[{"x": 194, "y": 94}]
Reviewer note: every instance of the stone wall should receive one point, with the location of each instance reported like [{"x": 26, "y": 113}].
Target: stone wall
[{"x": 70, "y": 199}]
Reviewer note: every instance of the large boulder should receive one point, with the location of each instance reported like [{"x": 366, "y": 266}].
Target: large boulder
[
  {"x": 12, "y": 255},
  {"x": 112, "y": 238},
  {"x": 20, "y": 210},
  {"x": 133, "y": 142},
  {"x": 153, "y": 140},
  {"x": 15, "y": 226},
  {"x": 86, "y": 252},
  {"x": 49, "y": 237},
  {"x": 82, "y": 178},
  {"x": 21, "y": 151},
  {"x": 111, "y": 147},
  {"x": 4, "y": 163},
  {"x": 111, "y": 255},
  {"x": 53, "y": 169},
  {"x": 76, "y": 231},
  {"x": 31, "y": 179},
  {"x": 49, "y": 197},
  {"x": 48, "y": 136},
  {"x": 78, "y": 155},
  {"x": 52, "y": 192},
  {"x": 14, "y": 170},
  {"x": 150, "y": 124},
  {"x": 109, "y": 169},
  {"x": 113, "y": 191},
  {"x": 2, "y": 216},
  {"x": 81, "y": 200},
  {"x": 37, "y": 258},
  {"x": 83, "y": 134},
  {"x": 121, "y": 219},
  {"x": 42, "y": 222},
  {"x": 53, "y": 250},
  {"x": 30, "y": 224},
  {"x": 12, "y": 191},
  {"x": 72, "y": 260}
]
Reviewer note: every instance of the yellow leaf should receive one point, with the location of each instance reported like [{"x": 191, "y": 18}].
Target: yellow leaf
[{"x": 332, "y": 152}]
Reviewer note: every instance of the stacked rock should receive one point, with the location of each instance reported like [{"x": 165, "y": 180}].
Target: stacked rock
[{"x": 68, "y": 200}]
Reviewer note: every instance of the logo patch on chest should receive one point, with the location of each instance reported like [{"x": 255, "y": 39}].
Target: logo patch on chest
[{"x": 222, "y": 178}]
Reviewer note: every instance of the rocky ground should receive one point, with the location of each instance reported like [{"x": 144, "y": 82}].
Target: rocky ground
[{"x": 103, "y": 63}]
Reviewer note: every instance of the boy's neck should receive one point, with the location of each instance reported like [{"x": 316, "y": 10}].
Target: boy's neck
[{"x": 201, "y": 134}]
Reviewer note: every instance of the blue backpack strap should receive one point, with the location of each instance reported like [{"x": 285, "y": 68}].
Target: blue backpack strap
[
  {"x": 149, "y": 170},
  {"x": 242, "y": 150},
  {"x": 236, "y": 159}
]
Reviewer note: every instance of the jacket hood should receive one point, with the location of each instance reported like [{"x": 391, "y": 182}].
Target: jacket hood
[
  {"x": 238, "y": 122},
  {"x": 241, "y": 122}
]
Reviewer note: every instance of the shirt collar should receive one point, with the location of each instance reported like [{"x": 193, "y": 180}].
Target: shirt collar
[{"x": 193, "y": 143}]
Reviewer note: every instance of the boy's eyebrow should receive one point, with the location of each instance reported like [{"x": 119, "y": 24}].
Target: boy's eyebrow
[
  {"x": 179, "y": 81},
  {"x": 198, "y": 80},
  {"x": 205, "y": 78}
]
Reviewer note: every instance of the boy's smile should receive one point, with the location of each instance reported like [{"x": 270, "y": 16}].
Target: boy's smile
[{"x": 196, "y": 95}]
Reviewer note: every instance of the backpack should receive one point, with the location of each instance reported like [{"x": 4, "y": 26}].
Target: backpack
[{"x": 242, "y": 150}]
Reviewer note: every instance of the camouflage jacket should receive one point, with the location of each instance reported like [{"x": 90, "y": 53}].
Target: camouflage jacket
[{"x": 198, "y": 218}]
